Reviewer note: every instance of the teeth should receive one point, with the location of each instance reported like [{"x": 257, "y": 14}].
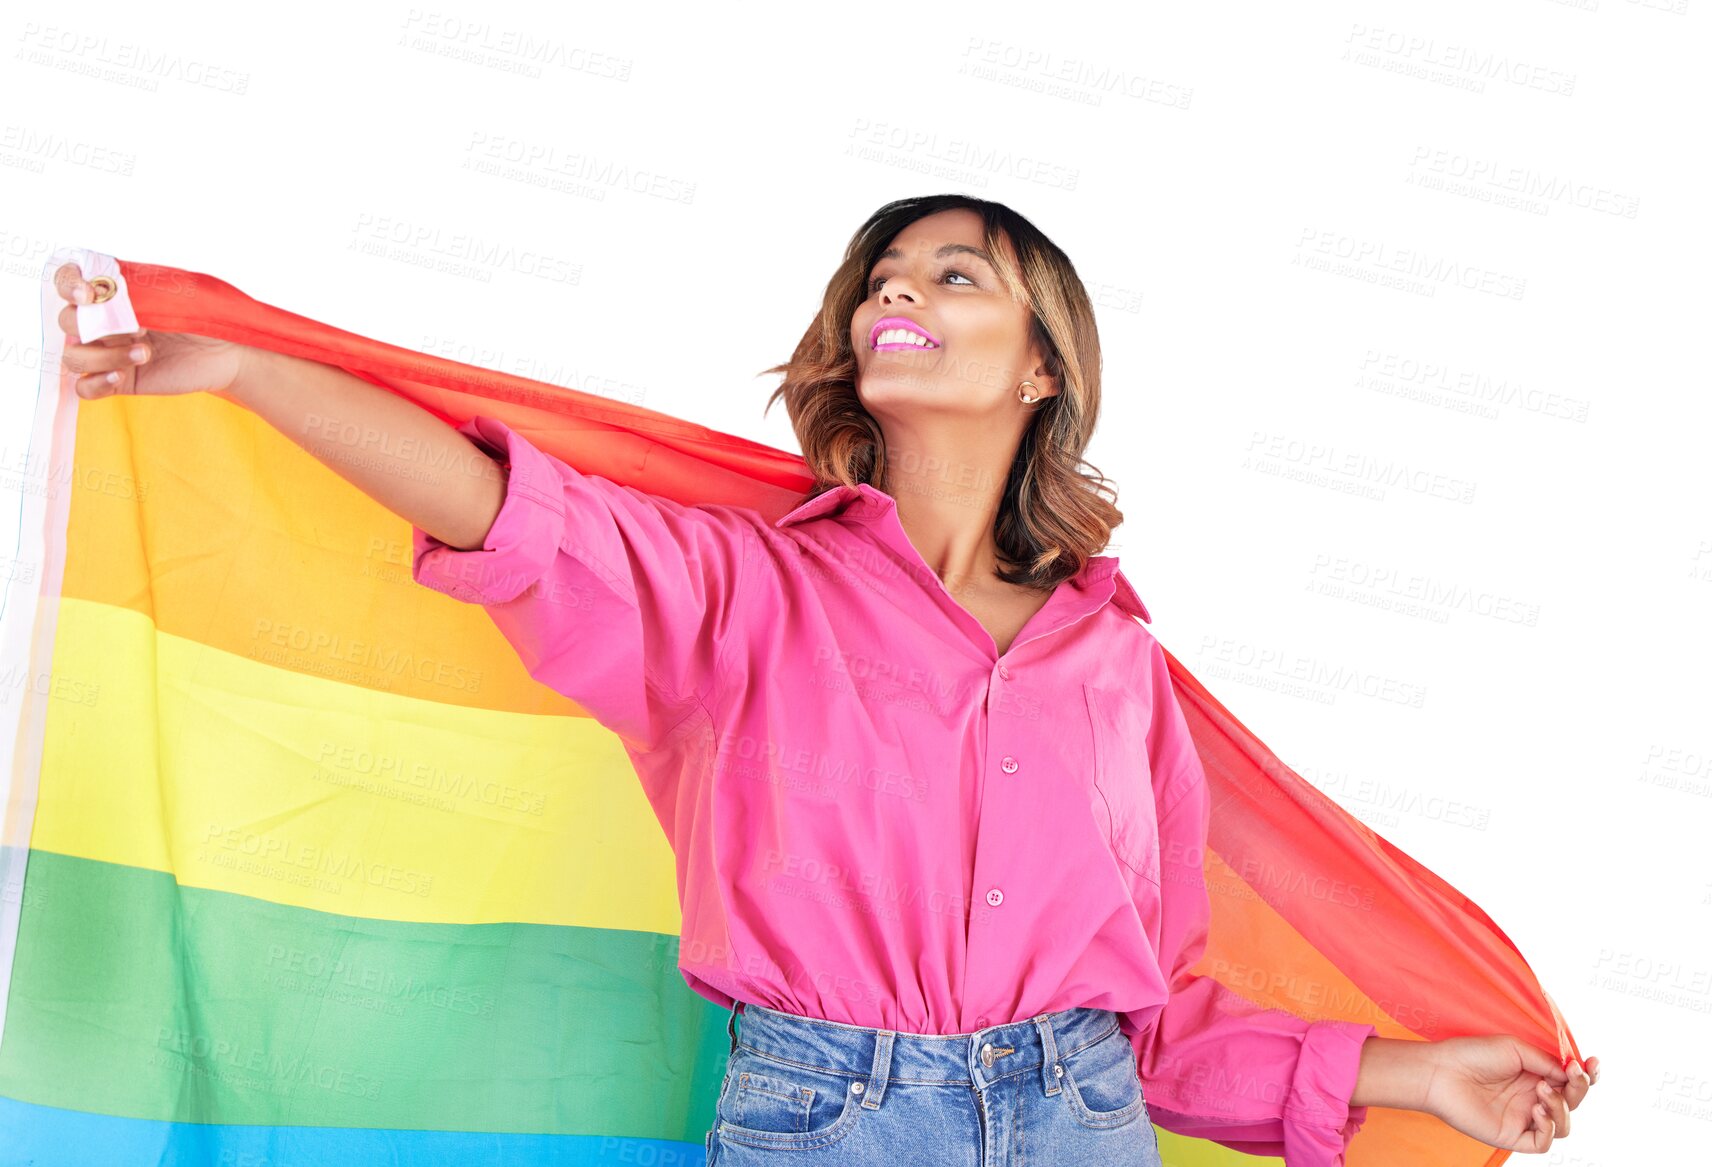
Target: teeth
[{"x": 892, "y": 335}]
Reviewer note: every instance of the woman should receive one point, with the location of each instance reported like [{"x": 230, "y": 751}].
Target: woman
[{"x": 938, "y": 823}]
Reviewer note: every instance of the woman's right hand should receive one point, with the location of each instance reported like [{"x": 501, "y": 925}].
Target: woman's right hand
[{"x": 143, "y": 362}]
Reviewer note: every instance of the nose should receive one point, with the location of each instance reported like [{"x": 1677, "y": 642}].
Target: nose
[{"x": 890, "y": 292}]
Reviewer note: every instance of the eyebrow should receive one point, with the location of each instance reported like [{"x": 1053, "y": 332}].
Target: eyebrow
[{"x": 947, "y": 249}]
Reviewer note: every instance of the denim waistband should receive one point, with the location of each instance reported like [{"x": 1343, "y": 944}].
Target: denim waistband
[{"x": 879, "y": 1056}]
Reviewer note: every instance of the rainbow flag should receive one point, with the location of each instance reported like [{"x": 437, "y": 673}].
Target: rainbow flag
[{"x": 300, "y": 865}]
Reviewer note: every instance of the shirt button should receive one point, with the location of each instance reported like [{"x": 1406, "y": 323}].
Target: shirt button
[
  {"x": 1008, "y": 764},
  {"x": 995, "y": 897},
  {"x": 1005, "y": 672}
]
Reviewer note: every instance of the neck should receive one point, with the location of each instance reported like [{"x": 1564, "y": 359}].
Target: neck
[{"x": 948, "y": 505}]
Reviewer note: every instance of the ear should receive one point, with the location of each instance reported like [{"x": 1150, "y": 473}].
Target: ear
[{"x": 1046, "y": 383}]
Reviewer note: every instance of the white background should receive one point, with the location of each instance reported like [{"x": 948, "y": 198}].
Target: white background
[{"x": 1246, "y": 189}]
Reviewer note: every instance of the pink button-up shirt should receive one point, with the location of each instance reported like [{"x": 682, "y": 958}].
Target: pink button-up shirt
[{"x": 877, "y": 818}]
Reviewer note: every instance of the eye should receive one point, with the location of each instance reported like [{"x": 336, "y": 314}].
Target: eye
[{"x": 874, "y": 284}]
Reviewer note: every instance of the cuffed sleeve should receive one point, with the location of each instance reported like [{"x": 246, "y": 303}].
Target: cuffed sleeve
[
  {"x": 621, "y": 600},
  {"x": 1215, "y": 1065}
]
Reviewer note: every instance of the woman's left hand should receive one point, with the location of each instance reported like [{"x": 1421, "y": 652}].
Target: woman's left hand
[{"x": 1505, "y": 1092}]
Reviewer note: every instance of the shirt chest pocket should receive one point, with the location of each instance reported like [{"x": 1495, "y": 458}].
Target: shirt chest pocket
[{"x": 1123, "y": 776}]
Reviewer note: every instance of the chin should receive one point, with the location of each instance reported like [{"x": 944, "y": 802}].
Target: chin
[{"x": 901, "y": 381}]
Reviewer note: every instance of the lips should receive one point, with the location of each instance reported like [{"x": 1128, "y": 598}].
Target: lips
[{"x": 888, "y": 323}]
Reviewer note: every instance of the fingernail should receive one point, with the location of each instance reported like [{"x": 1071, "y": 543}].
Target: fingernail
[
  {"x": 80, "y": 294},
  {"x": 113, "y": 377},
  {"x": 138, "y": 353}
]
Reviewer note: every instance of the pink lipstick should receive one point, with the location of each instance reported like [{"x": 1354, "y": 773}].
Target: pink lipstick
[{"x": 887, "y": 324}]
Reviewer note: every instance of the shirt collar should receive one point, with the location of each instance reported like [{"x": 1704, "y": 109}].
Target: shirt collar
[{"x": 864, "y": 501}]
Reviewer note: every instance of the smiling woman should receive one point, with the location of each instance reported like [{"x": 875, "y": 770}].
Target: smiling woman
[{"x": 952, "y": 381}]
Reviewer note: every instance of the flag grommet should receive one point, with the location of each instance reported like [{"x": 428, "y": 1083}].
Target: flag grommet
[{"x": 105, "y": 289}]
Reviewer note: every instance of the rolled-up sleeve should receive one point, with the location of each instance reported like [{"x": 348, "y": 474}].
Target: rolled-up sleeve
[
  {"x": 623, "y": 601},
  {"x": 1215, "y": 1065}
]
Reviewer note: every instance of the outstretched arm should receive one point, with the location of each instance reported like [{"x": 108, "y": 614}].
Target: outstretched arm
[{"x": 391, "y": 449}]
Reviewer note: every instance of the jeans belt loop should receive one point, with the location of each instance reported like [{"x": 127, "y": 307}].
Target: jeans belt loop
[
  {"x": 1049, "y": 1054},
  {"x": 882, "y": 1069}
]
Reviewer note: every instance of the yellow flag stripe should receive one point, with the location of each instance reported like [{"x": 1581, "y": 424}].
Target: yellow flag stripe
[{"x": 236, "y": 775}]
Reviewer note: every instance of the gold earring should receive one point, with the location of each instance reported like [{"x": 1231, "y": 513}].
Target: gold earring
[{"x": 1027, "y": 398}]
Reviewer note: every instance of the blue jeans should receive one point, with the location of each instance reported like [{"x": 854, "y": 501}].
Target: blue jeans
[{"x": 1059, "y": 1088}]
